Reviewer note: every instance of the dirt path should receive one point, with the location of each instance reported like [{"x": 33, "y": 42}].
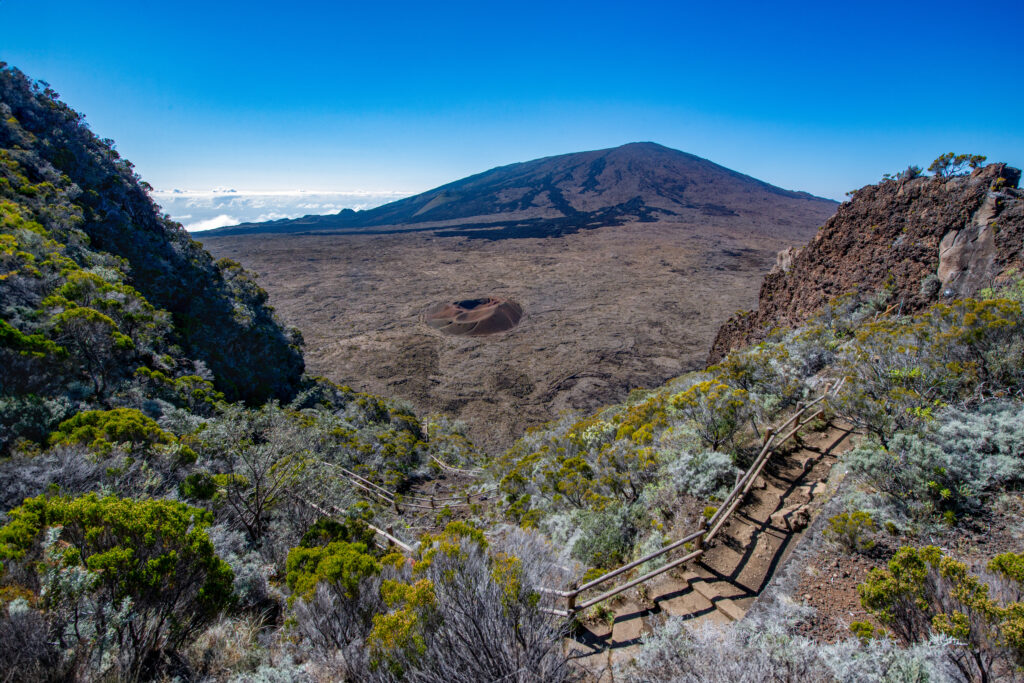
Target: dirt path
[{"x": 737, "y": 567}]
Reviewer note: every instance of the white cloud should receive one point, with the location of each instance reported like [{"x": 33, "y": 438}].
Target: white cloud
[
  {"x": 211, "y": 223},
  {"x": 208, "y": 209}
]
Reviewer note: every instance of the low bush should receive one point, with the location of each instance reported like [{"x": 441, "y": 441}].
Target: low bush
[
  {"x": 961, "y": 458},
  {"x": 924, "y": 592},
  {"x": 122, "y": 583},
  {"x": 851, "y": 531}
]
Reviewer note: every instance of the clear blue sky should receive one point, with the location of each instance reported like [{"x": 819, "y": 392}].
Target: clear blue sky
[{"x": 821, "y": 96}]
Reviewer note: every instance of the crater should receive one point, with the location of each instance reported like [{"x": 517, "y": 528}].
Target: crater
[{"x": 474, "y": 317}]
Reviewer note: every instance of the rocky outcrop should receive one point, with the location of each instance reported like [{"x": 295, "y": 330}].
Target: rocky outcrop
[{"x": 921, "y": 239}]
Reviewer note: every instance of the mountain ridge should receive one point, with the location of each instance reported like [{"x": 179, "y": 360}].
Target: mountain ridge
[{"x": 562, "y": 194}]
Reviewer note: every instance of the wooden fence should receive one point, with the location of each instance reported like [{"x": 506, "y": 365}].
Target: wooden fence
[
  {"x": 398, "y": 501},
  {"x": 388, "y": 538},
  {"x": 699, "y": 539}
]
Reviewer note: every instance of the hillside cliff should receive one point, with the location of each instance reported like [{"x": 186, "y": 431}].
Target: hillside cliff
[
  {"x": 913, "y": 241},
  {"x": 66, "y": 192}
]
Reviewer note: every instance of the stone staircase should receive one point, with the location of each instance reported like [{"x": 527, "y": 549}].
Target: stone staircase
[{"x": 725, "y": 582}]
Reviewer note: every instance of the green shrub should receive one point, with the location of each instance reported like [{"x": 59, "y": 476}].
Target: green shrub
[
  {"x": 102, "y": 430},
  {"x": 151, "y": 562},
  {"x": 606, "y": 538},
  {"x": 715, "y": 408},
  {"x": 851, "y": 531},
  {"x": 961, "y": 458},
  {"x": 924, "y": 592}
]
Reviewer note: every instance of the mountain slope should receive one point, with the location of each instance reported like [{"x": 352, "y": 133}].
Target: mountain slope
[
  {"x": 106, "y": 219},
  {"x": 912, "y": 241},
  {"x": 562, "y": 194}
]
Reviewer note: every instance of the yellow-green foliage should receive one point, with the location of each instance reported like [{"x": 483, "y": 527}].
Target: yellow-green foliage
[
  {"x": 33, "y": 345},
  {"x": 342, "y": 564},
  {"x": 448, "y": 542},
  {"x": 398, "y": 635},
  {"x": 851, "y": 530},
  {"x": 102, "y": 430},
  {"x": 191, "y": 392},
  {"x": 154, "y": 553},
  {"x": 715, "y": 408},
  {"x": 901, "y": 370},
  {"x": 924, "y": 591},
  {"x": 762, "y": 369}
]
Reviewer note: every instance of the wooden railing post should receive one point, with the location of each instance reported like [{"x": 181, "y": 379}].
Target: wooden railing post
[{"x": 570, "y": 600}]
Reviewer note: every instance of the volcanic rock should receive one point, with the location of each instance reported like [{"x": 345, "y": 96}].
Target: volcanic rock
[
  {"x": 625, "y": 261},
  {"x": 474, "y": 317},
  {"x": 920, "y": 239}
]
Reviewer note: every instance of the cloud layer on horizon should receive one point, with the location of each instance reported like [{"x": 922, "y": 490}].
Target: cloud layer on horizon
[{"x": 200, "y": 210}]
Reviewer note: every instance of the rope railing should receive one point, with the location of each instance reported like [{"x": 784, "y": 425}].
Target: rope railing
[{"x": 702, "y": 536}]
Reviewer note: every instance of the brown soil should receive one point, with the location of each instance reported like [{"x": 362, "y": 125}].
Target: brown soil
[
  {"x": 831, "y": 576},
  {"x": 605, "y": 311}
]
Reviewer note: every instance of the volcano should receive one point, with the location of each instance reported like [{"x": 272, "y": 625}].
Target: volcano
[{"x": 559, "y": 195}]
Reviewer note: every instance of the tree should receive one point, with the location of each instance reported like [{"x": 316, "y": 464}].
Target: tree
[
  {"x": 716, "y": 409},
  {"x": 95, "y": 343},
  {"x": 950, "y": 164}
]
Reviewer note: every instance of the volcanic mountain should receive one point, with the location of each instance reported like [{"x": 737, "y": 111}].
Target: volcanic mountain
[
  {"x": 559, "y": 195},
  {"x": 624, "y": 264}
]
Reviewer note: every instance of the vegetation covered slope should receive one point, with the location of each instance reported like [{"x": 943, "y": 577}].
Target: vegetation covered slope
[
  {"x": 154, "y": 529},
  {"x": 71, "y": 203},
  {"x": 155, "y": 525}
]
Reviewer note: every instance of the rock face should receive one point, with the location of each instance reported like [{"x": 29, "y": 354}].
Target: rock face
[{"x": 923, "y": 239}]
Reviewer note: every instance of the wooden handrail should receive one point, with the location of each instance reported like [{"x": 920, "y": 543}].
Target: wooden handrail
[
  {"x": 389, "y": 537},
  {"x": 640, "y": 579},
  {"x": 374, "y": 489},
  {"x": 709, "y": 529},
  {"x": 636, "y": 563},
  {"x": 445, "y": 466}
]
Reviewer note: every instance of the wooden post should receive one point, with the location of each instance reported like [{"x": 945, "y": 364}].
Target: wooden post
[
  {"x": 467, "y": 499},
  {"x": 570, "y": 602},
  {"x": 432, "y": 505}
]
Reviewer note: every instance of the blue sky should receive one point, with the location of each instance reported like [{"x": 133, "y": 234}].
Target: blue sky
[{"x": 394, "y": 97}]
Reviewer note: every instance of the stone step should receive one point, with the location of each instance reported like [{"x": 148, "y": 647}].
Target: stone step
[{"x": 711, "y": 593}]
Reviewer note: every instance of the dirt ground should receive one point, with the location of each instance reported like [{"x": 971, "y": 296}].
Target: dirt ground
[{"x": 604, "y": 311}]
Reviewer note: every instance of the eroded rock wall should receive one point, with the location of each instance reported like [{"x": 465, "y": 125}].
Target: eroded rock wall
[{"x": 922, "y": 239}]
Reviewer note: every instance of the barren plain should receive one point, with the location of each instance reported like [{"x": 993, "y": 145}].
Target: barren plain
[{"x": 604, "y": 311}]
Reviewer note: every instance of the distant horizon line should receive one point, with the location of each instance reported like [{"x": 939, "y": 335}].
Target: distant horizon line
[{"x": 227, "y": 192}]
